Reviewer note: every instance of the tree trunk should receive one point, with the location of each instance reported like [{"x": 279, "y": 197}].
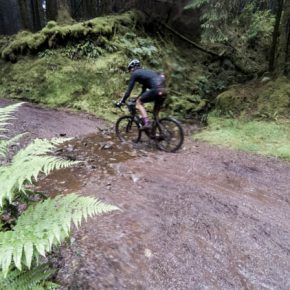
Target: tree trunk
[
  {"x": 64, "y": 12},
  {"x": 282, "y": 50},
  {"x": 51, "y": 10},
  {"x": 10, "y": 21},
  {"x": 24, "y": 6},
  {"x": 35, "y": 9},
  {"x": 275, "y": 36}
]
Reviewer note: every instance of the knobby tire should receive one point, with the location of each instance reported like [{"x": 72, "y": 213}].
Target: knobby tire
[
  {"x": 127, "y": 130},
  {"x": 169, "y": 135}
]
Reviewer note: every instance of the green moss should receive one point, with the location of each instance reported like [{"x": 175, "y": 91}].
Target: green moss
[
  {"x": 58, "y": 81},
  {"x": 271, "y": 99},
  {"x": 89, "y": 72},
  {"x": 267, "y": 138},
  {"x": 274, "y": 99},
  {"x": 53, "y": 34}
]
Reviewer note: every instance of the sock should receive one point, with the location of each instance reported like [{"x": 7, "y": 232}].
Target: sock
[{"x": 145, "y": 120}]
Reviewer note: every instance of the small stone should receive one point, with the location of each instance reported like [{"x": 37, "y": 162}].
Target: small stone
[
  {"x": 62, "y": 134},
  {"x": 135, "y": 178},
  {"x": 108, "y": 145},
  {"x": 148, "y": 253}
]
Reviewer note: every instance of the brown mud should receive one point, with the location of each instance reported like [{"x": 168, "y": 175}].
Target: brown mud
[{"x": 203, "y": 218}]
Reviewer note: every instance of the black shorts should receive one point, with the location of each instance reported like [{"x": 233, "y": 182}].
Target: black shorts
[{"x": 155, "y": 95}]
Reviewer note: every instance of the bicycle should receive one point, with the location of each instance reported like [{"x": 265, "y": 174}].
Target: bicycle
[{"x": 166, "y": 132}]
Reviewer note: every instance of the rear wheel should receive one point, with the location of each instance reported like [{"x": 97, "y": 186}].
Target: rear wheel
[
  {"x": 127, "y": 130},
  {"x": 169, "y": 135}
]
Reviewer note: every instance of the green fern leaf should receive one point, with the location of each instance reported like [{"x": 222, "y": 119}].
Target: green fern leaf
[
  {"x": 29, "y": 280},
  {"x": 42, "y": 226},
  {"x": 4, "y": 144},
  {"x": 5, "y": 114},
  {"x": 27, "y": 164},
  {"x": 28, "y": 250},
  {"x": 17, "y": 255}
]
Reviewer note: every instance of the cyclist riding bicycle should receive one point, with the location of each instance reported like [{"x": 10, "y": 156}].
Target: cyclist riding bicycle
[{"x": 153, "y": 90}]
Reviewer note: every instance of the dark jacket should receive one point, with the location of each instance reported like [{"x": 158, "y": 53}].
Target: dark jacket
[{"x": 147, "y": 78}]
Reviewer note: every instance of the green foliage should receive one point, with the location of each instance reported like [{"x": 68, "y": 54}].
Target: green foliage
[
  {"x": 43, "y": 224},
  {"x": 143, "y": 48},
  {"x": 89, "y": 73},
  {"x": 267, "y": 138},
  {"x": 258, "y": 24},
  {"x": 88, "y": 49},
  {"x": 269, "y": 100},
  {"x": 214, "y": 18},
  {"x": 222, "y": 21},
  {"x": 34, "y": 279},
  {"x": 53, "y": 34},
  {"x": 26, "y": 165}
]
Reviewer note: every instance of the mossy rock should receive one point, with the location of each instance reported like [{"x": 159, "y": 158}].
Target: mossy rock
[
  {"x": 275, "y": 97},
  {"x": 234, "y": 100}
]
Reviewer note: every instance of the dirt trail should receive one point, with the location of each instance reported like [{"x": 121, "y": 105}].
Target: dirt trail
[{"x": 204, "y": 218}]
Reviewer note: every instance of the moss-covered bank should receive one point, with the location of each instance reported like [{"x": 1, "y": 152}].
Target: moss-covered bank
[
  {"x": 252, "y": 117},
  {"x": 263, "y": 99},
  {"x": 83, "y": 66}
]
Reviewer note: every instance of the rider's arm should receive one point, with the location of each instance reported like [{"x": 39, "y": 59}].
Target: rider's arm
[{"x": 130, "y": 87}]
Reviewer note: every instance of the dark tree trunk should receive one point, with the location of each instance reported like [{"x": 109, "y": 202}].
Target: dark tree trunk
[
  {"x": 35, "y": 9},
  {"x": 275, "y": 36},
  {"x": 9, "y": 17},
  {"x": 25, "y": 14},
  {"x": 282, "y": 50},
  {"x": 51, "y": 10}
]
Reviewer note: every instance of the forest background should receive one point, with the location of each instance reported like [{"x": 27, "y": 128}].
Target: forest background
[{"x": 226, "y": 59}]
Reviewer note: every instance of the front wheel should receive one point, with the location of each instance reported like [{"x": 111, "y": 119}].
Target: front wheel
[
  {"x": 169, "y": 135},
  {"x": 127, "y": 130}
]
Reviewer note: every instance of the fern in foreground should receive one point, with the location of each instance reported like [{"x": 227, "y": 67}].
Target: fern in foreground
[
  {"x": 43, "y": 224},
  {"x": 34, "y": 279},
  {"x": 27, "y": 164}
]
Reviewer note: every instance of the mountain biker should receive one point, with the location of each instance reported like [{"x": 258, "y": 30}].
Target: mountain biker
[{"x": 153, "y": 89}]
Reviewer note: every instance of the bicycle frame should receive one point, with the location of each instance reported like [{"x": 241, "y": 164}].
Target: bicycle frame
[{"x": 159, "y": 132}]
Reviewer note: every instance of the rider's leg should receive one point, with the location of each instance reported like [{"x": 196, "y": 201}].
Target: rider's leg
[
  {"x": 158, "y": 104},
  {"x": 141, "y": 109},
  {"x": 146, "y": 97}
]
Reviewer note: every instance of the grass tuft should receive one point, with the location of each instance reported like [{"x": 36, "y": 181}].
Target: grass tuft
[{"x": 266, "y": 138}]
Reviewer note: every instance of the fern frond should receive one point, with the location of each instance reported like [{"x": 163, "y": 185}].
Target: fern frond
[
  {"x": 196, "y": 4},
  {"x": 5, "y": 114},
  {"x": 44, "y": 225},
  {"x": 27, "y": 164},
  {"x": 31, "y": 279},
  {"x": 4, "y": 144}
]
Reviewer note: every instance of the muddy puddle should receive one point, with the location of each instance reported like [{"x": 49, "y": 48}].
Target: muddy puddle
[{"x": 97, "y": 153}]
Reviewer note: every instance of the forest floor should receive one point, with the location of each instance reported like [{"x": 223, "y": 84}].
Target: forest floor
[{"x": 203, "y": 218}]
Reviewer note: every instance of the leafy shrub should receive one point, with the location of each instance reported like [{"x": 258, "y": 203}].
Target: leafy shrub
[
  {"x": 218, "y": 18},
  {"x": 259, "y": 24}
]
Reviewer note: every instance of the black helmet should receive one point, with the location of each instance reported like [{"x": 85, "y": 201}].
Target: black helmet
[{"x": 134, "y": 64}]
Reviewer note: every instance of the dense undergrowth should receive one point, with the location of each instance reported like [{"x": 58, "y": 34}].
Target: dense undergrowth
[{"x": 83, "y": 66}]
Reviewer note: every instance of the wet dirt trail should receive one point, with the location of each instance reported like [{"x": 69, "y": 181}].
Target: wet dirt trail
[{"x": 204, "y": 218}]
